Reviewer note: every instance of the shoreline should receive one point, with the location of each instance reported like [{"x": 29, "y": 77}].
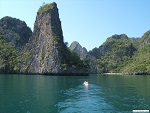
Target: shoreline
[
  {"x": 51, "y": 74},
  {"x": 112, "y": 73}
]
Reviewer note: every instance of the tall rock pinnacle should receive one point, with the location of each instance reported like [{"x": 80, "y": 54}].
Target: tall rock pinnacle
[
  {"x": 47, "y": 41},
  {"x": 48, "y": 52}
]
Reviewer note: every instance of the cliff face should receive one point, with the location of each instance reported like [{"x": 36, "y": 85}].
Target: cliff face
[
  {"x": 140, "y": 63},
  {"x": 145, "y": 38},
  {"x": 49, "y": 54},
  {"x": 113, "y": 54},
  {"x": 14, "y": 35},
  {"x": 118, "y": 54},
  {"x": 84, "y": 55},
  {"x": 15, "y": 31},
  {"x": 46, "y": 41},
  {"x": 77, "y": 48}
]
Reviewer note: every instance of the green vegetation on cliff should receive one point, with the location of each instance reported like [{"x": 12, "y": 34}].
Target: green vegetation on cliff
[
  {"x": 146, "y": 37},
  {"x": 15, "y": 31},
  {"x": 140, "y": 64},
  {"x": 71, "y": 59},
  {"x": 14, "y": 34},
  {"x": 9, "y": 59},
  {"x": 121, "y": 54},
  {"x": 113, "y": 54},
  {"x": 48, "y": 52},
  {"x": 46, "y": 7}
]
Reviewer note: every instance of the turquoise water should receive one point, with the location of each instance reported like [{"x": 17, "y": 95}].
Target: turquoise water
[{"x": 67, "y": 94}]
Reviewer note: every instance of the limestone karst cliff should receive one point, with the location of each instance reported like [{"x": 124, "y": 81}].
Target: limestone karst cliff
[
  {"x": 77, "y": 48},
  {"x": 15, "y": 31},
  {"x": 140, "y": 63},
  {"x": 44, "y": 42},
  {"x": 49, "y": 54},
  {"x": 44, "y": 51},
  {"x": 14, "y": 34},
  {"x": 85, "y": 56}
]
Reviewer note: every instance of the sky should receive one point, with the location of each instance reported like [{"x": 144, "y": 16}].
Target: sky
[{"x": 90, "y": 22}]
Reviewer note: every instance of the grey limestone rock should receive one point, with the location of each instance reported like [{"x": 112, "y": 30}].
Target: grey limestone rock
[
  {"x": 46, "y": 42},
  {"x": 49, "y": 54},
  {"x": 77, "y": 48}
]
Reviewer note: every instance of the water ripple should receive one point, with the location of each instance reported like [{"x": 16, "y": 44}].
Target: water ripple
[{"x": 81, "y": 100}]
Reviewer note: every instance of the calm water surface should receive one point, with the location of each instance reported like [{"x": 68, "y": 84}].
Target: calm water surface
[{"x": 67, "y": 94}]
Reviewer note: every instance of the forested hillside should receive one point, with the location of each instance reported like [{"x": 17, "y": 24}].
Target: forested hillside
[
  {"x": 140, "y": 63},
  {"x": 14, "y": 34},
  {"x": 121, "y": 54},
  {"x": 115, "y": 53}
]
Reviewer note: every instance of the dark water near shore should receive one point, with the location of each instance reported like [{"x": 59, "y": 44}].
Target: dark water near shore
[{"x": 67, "y": 94}]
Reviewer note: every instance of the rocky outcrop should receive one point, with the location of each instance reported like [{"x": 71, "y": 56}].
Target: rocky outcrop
[
  {"x": 119, "y": 54},
  {"x": 14, "y": 35},
  {"x": 140, "y": 63},
  {"x": 92, "y": 64},
  {"x": 49, "y": 54},
  {"x": 145, "y": 38},
  {"x": 95, "y": 52},
  {"x": 46, "y": 42},
  {"x": 84, "y": 55},
  {"x": 15, "y": 31},
  {"x": 77, "y": 48},
  {"x": 112, "y": 55},
  {"x": 121, "y": 36}
]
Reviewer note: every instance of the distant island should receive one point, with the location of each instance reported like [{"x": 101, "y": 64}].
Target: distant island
[{"x": 44, "y": 51}]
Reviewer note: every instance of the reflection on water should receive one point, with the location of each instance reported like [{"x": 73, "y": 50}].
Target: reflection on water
[
  {"x": 67, "y": 94},
  {"x": 86, "y": 87}
]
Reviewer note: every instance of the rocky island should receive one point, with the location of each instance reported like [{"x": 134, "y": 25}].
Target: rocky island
[
  {"x": 43, "y": 51},
  {"x": 118, "y": 54}
]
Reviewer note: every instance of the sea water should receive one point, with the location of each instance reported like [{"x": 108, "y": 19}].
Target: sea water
[{"x": 68, "y": 94}]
